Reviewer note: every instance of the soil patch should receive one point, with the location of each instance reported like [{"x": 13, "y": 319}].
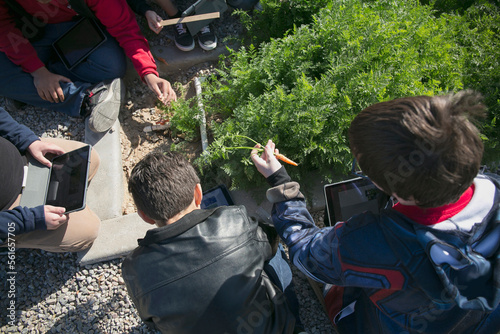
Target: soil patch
[{"x": 142, "y": 110}]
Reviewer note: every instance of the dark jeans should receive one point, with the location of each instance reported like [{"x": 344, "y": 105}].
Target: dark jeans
[
  {"x": 280, "y": 274},
  {"x": 106, "y": 62}
]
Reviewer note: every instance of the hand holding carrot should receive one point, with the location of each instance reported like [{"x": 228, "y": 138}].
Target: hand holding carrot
[{"x": 267, "y": 163}]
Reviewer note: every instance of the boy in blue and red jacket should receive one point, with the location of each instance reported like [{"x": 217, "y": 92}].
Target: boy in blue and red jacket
[{"x": 429, "y": 264}]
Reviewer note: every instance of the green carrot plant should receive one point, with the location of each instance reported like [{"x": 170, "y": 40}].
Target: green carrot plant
[{"x": 303, "y": 90}]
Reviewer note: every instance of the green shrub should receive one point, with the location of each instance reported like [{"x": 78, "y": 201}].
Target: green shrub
[
  {"x": 303, "y": 90},
  {"x": 449, "y": 6},
  {"x": 480, "y": 38},
  {"x": 278, "y": 17},
  {"x": 185, "y": 120}
]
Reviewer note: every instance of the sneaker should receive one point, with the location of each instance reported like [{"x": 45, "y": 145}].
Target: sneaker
[
  {"x": 207, "y": 39},
  {"x": 102, "y": 104},
  {"x": 13, "y": 105},
  {"x": 183, "y": 39}
]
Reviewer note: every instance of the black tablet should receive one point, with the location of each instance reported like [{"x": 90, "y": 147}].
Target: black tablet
[
  {"x": 348, "y": 198},
  {"x": 78, "y": 43},
  {"x": 67, "y": 186},
  {"x": 218, "y": 196}
]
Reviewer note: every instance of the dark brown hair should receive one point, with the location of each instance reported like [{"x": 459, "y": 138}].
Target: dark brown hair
[
  {"x": 162, "y": 184},
  {"x": 422, "y": 147}
]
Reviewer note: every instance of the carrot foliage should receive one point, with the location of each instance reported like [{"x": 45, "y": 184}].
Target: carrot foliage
[{"x": 303, "y": 89}]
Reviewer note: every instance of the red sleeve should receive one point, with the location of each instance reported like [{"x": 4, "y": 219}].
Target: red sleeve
[
  {"x": 121, "y": 23},
  {"x": 17, "y": 48}
]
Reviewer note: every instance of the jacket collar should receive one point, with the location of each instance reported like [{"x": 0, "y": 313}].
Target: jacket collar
[{"x": 172, "y": 230}]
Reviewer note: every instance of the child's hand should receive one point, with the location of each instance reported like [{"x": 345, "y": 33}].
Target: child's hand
[
  {"x": 267, "y": 163},
  {"x": 161, "y": 88},
  {"x": 54, "y": 216},
  {"x": 153, "y": 21},
  {"x": 38, "y": 149}
]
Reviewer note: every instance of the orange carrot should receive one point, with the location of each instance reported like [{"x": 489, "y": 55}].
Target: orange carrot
[{"x": 285, "y": 159}]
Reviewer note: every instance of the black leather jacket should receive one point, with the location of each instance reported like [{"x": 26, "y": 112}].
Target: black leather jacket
[{"x": 204, "y": 274}]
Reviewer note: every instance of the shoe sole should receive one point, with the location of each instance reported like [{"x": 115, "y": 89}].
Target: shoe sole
[
  {"x": 106, "y": 111},
  {"x": 208, "y": 47},
  {"x": 185, "y": 48}
]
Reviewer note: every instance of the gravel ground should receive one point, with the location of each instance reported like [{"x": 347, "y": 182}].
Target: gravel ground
[{"x": 52, "y": 293}]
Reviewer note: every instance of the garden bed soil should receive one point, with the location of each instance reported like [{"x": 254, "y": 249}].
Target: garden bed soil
[{"x": 141, "y": 110}]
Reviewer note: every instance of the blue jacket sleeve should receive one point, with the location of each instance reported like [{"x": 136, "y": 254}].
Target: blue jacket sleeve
[
  {"x": 21, "y": 220},
  {"x": 19, "y": 135},
  {"x": 352, "y": 253},
  {"x": 313, "y": 250}
]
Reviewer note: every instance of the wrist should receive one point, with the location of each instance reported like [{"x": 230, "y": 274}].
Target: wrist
[
  {"x": 30, "y": 146},
  {"x": 40, "y": 71},
  {"x": 148, "y": 76},
  {"x": 278, "y": 177}
]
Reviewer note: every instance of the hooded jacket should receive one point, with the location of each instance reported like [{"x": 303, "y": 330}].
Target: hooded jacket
[
  {"x": 204, "y": 274},
  {"x": 388, "y": 274}
]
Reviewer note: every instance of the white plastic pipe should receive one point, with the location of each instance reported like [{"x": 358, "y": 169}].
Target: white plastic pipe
[{"x": 201, "y": 115}]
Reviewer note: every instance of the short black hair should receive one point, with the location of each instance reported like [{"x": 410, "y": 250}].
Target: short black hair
[{"x": 162, "y": 184}]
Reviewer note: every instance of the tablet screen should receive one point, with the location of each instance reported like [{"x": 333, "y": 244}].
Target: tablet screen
[
  {"x": 76, "y": 44},
  {"x": 215, "y": 197},
  {"x": 68, "y": 180},
  {"x": 348, "y": 198}
]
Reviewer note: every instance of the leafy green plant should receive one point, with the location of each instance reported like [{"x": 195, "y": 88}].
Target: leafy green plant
[
  {"x": 449, "y": 6},
  {"x": 279, "y": 17},
  {"x": 184, "y": 119},
  {"x": 479, "y": 36},
  {"x": 304, "y": 89}
]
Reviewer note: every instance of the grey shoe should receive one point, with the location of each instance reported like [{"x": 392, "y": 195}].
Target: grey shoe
[{"x": 102, "y": 104}]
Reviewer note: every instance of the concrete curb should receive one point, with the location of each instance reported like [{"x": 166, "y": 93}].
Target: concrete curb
[
  {"x": 171, "y": 60},
  {"x": 105, "y": 193},
  {"x": 117, "y": 238}
]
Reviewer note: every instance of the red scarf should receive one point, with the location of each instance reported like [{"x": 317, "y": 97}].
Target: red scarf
[{"x": 431, "y": 216}]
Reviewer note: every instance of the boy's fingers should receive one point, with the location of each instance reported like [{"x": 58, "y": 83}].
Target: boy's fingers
[
  {"x": 269, "y": 152},
  {"x": 44, "y": 161},
  {"x": 56, "y": 209},
  {"x": 254, "y": 155}
]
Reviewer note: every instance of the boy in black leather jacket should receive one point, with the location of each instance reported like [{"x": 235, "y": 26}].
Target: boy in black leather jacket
[{"x": 202, "y": 271}]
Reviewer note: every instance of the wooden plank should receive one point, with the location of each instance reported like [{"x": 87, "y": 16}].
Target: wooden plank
[{"x": 192, "y": 18}]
